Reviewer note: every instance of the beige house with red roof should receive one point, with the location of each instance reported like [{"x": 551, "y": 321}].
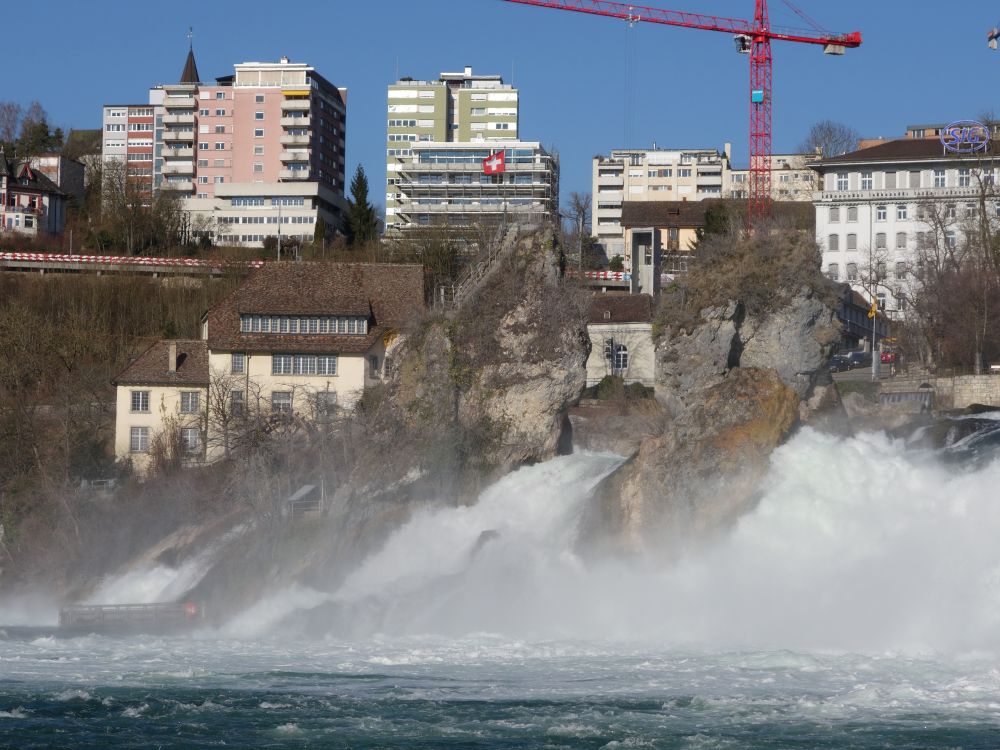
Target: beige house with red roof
[{"x": 296, "y": 341}]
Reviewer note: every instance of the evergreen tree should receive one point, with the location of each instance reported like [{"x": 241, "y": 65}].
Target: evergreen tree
[
  {"x": 361, "y": 217},
  {"x": 319, "y": 235}
]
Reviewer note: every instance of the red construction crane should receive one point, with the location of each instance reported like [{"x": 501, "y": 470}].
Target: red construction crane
[{"x": 753, "y": 38}]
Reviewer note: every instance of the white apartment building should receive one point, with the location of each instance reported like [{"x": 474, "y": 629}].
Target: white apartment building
[
  {"x": 874, "y": 209},
  {"x": 456, "y": 108},
  {"x": 791, "y": 179},
  {"x": 651, "y": 175}
]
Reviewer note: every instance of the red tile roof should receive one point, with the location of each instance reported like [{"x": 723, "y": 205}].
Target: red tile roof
[
  {"x": 388, "y": 295},
  {"x": 620, "y": 308},
  {"x": 152, "y": 366}
]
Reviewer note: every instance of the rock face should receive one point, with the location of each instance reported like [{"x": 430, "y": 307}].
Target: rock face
[
  {"x": 734, "y": 385},
  {"x": 702, "y": 472}
]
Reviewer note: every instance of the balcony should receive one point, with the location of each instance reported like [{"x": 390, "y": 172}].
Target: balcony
[
  {"x": 897, "y": 194},
  {"x": 295, "y": 156},
  {"x": 293, "y": 174},
  {"x": 296, "y": 105},
  {"x": 186, "y": 136},
  {"x": 295, "y": 140},
  {"x": 183, "y": 186},
  {"x": 183, "y": 119},
  {"x": 179, "y": 152},
  {"x": 178, "y": 102},
  {"x": 295, "y": 122},
  {"x": 179, "y": 169}
]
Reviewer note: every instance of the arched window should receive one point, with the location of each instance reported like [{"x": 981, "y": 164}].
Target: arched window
[{"x": 621, "y": 358}]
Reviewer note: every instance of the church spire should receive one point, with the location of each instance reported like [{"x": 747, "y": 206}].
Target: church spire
[{"x": 190, "y": 72}]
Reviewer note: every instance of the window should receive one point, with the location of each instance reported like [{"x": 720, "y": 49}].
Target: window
[
  {"x": 841, "y": 181},
  {"x": 258, "y": 150},
  {"x": 901, "y": 270},
  {"x": 258, "y": 166},
  {"x": 901, "y": 212},
  {"x": 881, "y": 270},
  {"x": 852, "y": 271},
  {"x": 220, "y": 146},
  {"x": 852, "y": 213},
  {"x": 203, "y": 112},
  {"x": 880, "y": 296},
  {"x": 834, "y": 215},
  {"x": 139, "y": 440},
  {"x": 833, "y": 271},
  {"x": 140, "y": 401},
  {"x": 900, "y": 240},
  {"x": 915, "y": 179},
  {"x": 203, "y": 146},
  {"x": 239, "y": 363},
  {"x": 890, "y": 180},
  {"x": 258, "y": 133},
  {"x": 191, "y": 440},
  {"x": 281, "y": 402},
  {"x": 964, "y": 177},
  {"x": 949, "y": 210},
  {"x": 189, "y": 402},
  {"x": 852, "y": 242},
  {"x": 680, "y": 173},
  {"x": 970, "y": 210},
  {"x": 258, "y": 115},
  {"x": 259, "y": 98},
  {"x": 281, "y": 364},
  {"x": 950, "y": 239},
  {"x": 220, "y": 94},
  {"x": 940, "y": 180},
  {"x": 219, "y": 162},
  {"x": 220, "y": 129},
  {"x": 326, "y": 403},
  {"x": 880, "y": 241},
  {"x": 620, "y": 363},
  {"x": 866, "y": 180},
  {"x": 880, "y": 213},
  {"x": 373, "y": 368},
  {"x": 833, "y": 243},
  {"x": 203, "y": 162},
  {"x": 237, "y": 403}
]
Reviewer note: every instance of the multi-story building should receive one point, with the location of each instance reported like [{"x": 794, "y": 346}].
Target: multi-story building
[
  {"x": 445, "y": 184},
  {"x": 791, "y": 179},
  {"x": 296, "y": 341},
  {"x": 880, "y": 209},
  {"x": 456, "y": 108},
  {"x": 256, "y": 154},
  {"x": 30, "y": 203},
  {"x": 651, "y": 175},
  {"x": 67, "y": 174}
]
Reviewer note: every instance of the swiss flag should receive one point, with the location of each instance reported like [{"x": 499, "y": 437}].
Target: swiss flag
[{"x": 494, "y": 163}]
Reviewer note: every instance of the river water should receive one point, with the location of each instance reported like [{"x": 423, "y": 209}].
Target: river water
[{"x": 858, "y": 606}]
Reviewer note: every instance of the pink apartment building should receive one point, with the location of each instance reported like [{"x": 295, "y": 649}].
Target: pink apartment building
[{"x": 255, "y": 154}]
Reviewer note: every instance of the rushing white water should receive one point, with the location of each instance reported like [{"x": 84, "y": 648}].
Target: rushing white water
[
  {"x": 856, "y": 544},
  {"x": 162, "y": 583}
]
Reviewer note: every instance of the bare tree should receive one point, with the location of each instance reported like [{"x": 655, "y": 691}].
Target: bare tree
[
  {"x": 834, "y": 138},
  {"x": 10, "y": 121}
]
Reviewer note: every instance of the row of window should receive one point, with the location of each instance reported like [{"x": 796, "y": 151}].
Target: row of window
[
  {"x": 303, "y": 364},
  {"x": 900, "y": 271},
  {"x": 297, "y": 325},
  {"x": 966, "y": 177},
  {"x": 882, "y": 241},
  {"x": 267, "y": 220},
  {"x": 190, "y": 402},
  {"x": 902, "y": 212}
]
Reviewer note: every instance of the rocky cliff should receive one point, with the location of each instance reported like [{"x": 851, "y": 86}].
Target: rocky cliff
[{"x": 742, "y": 360}]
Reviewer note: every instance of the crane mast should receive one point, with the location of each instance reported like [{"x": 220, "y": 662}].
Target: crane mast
[{"x": 753, "y": 38}]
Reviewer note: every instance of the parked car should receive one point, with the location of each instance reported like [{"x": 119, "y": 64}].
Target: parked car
[
  {"x": 839, "y": 363},
  {"x": 859, "y": 359}
]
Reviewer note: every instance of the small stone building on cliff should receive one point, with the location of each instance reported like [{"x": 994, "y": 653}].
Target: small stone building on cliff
[
  {"x": 296, "y": 341},
  {"x": 620, "y": 327}
]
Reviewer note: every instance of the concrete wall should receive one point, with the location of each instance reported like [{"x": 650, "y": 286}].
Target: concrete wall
[{"x": 952, "y": 393}]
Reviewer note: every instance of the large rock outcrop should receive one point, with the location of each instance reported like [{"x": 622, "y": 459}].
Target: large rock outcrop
[{"x": 735, "y": 376}]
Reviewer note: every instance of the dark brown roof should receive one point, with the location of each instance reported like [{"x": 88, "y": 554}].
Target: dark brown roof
[
  {"x": 621, "y": 308},
  {"x": 388, "y": 295},
  {"x": 691, "y": 214},
  {"x": 905, "y": 148},
  {"x": 39, "y": 181},
  {"x": 190, "y": 72},
  {"x": 152, "y": 366},
  {"x": 665, "y": 214}
]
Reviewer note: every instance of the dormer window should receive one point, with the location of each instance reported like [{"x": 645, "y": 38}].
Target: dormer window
[
  {"x": 304, "y": 326},
  {"x": 607, "y": 315}
]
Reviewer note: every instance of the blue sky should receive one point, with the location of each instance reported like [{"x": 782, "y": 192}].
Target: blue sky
[{"x": 920, "y": 62}]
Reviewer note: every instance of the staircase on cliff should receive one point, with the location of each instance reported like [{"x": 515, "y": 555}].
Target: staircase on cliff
[{"x": 453, "y": 296}]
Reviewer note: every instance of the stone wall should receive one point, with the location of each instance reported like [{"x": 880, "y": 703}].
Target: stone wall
[{"x": 951, "y": 392}]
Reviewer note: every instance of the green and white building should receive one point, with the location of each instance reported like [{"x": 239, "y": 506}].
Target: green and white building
[{"x": 479, "y": 110}]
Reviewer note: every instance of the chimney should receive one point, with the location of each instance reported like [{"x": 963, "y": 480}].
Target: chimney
[
  {"x": 284, "y": 60},
  {"x": 468, "y": 71},
  {"x": 172, "y": 357}
]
